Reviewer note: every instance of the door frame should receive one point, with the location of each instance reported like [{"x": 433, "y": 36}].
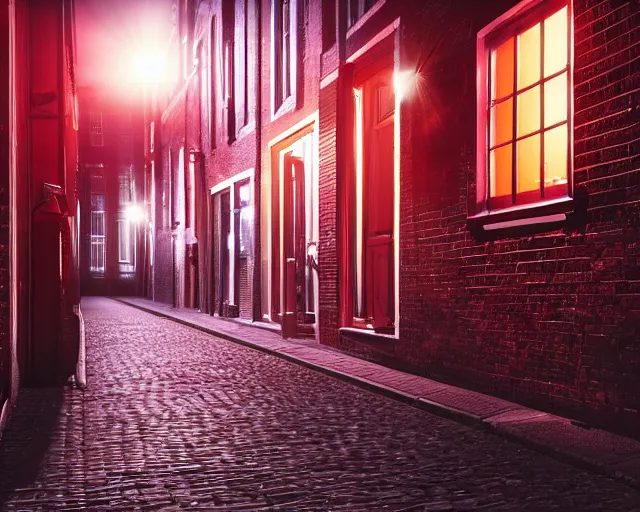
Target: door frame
[{"x": 273, "y": 199}]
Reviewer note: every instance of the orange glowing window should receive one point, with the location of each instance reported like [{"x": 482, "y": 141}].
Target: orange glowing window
[{"x": 528, "y": 108}]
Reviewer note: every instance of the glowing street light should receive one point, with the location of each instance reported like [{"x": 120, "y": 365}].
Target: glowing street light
[
  {"x": 404, "y": 82},
  {"x": 150, "y": 68},
  {"x": 134, "y": 214}
]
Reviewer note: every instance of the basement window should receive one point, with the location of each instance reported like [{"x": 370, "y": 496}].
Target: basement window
[{"x": 524, "y": 108}]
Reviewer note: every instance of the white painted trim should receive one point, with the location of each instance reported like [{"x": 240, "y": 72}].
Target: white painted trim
[
  {"x": 397, "y": 141},
  {"x": 528, "y": 221},
  {"x": 329, "y": 79},
  {"x": 368, "y": 332},
  {"x": 229, "y": 184},
  {"x": 230, "y": 181},
  {"x": 309, "y": 120},
  {"x": 313, "y": 121},
  {"x": 81, "y": 366},
  {"x": 384, "y": 33},
  {"x": 531, "y": 206}
]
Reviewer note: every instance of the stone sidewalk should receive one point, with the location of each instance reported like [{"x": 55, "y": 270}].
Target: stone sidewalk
[{"x": 588, "y": 448}]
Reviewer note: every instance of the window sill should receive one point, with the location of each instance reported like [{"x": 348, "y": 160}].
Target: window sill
[
  {"x": 368, "y": 332},
  {"x": 244, "y": 131},
  {"x": 552, "y": 212},
  {"x": 287, "y": 105}
]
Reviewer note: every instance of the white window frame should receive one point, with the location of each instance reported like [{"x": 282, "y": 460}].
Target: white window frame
[
  {"x": 282, "y": 104},
  {"x": 537, "y": 209},
  {"x": 125, "y": 256},
  {"x": 229, "y": 186},
  {"x": 98, "y": 242}
]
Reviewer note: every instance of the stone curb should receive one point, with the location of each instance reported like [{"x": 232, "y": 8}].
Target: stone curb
[{"x": 438, "y": 409}]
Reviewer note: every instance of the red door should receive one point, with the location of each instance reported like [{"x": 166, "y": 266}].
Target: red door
[
  {"x": 378, "y": 194},
  {"x": 294, "y": 246}
]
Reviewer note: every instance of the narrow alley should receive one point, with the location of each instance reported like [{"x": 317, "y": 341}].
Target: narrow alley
[{"x": 173, "y": 418}]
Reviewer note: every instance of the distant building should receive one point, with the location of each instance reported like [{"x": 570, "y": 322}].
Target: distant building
[
  {"x": 447, "y": 186},
  {"x": 39, "y": 298},
  {"x": 111, "y": 189}
]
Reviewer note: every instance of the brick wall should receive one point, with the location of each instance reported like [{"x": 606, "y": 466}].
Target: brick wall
[
  {"x": 5, "y": 377},
  {"x": 173, "y": 137},
  {"x": 546, "y": 317},
  {"x": 328, "y": 193}
]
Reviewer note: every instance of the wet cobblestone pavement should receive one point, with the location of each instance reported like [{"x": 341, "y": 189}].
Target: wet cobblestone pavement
[{"x": 175, "y": 419}]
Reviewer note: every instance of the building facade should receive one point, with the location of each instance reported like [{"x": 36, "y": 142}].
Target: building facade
[
  {"x": 449, "y": 187},
  {"x": 111, "y": 186},
  {"x": 39, "y": 303}
]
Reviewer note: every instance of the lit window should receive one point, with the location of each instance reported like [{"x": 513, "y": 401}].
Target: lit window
[
  {"x": 126, "y": 231},
  {"x": 246, "y": 218},
  {"x": 96, "y": 134},
  {"x": 124, "y": 241},
  {"x": 98, "y": 225},
  {"x": 527, "y": 108}
]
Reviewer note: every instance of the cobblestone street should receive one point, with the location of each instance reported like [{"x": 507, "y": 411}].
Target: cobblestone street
[{"x": 173, "y": 418}]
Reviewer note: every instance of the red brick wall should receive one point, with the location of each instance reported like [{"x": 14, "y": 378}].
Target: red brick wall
[
  {"x": 173, "y": 137},
  {"x": 546, "y": 317},
  {"x": 328, "y": 208},
  {"x": 5, "y": 361}
]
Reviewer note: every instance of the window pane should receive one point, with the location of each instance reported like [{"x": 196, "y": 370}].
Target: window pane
[
  {"x": 529, "y": 111},
  {"x": 555, "y": 156},
  {"x": 502, "y": 122},
  {"x": 502, "y": 70},
  {"x": 555, "y": 100},
  {"x": 556, "y": 55},
  {"x": 529, "y": 164},
  {"x": 500, "y": 165},
  {"x": 529, "y": 57}
]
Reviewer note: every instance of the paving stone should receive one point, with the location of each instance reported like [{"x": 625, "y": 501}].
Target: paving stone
[{"x": 175, "y": 419}]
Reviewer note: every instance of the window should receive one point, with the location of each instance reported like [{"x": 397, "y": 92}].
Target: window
[
  {"x": 96, "y": 135},
  {"x": 356, "y": 9},
  {"x": 244, "y": 78},
  {"x": 184, "y": 38},
  {"x": 284, "y": 44},
  {"x": 525, "y": 109},
  {"x": 328, "y": 25},
  {"x": 213, "y": 76},
  {"x": 227, "y": 85},
  {"x": 246, "y": 218},
  {"x": 372, "y": 261},
  {"x": 152, "y": 136},
  {"x": 126, "y": 242},
  {"x": 98, "y": 246},
  {"x": 125, "y": 149}
]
